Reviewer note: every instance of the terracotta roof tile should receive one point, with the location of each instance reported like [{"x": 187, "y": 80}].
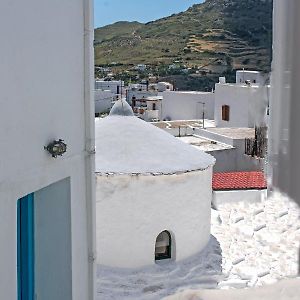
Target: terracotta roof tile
[{"x": 239, "y": 181}]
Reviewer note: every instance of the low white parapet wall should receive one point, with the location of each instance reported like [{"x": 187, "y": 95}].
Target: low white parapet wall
[
  {"x": 214, "y": 136},
  {"x": 287, "y": 289},
  {"x": 233, "y": 196},
  {"x": 180, "y": 131}
]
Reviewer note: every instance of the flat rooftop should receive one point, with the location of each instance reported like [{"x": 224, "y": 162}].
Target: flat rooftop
[
  {"x": 204, "y": 144},
  {"x": 234, "y": 133},
  {"x": 184, "y": 123},
  {"x": 191, "y": 92}
]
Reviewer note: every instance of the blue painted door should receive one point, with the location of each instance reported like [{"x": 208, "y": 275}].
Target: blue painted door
[{"x": 25, "y": 245}]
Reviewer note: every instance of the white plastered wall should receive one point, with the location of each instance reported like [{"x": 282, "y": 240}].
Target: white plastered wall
[
  {"x": 24, "y": 183},
  {"x": 254, "y": 77},
  {"x": 247, "y": 105},
  {"x": 233, "y": 196},
  {"x": 133, "y": 209},
  {"x": 234, "y": 160},
  {"x": 140, "y": 94},
  {"x": 114, "y": 86},
  {"x": 185, "y": 105},
  {"x": 43, "y": 97},
  {"x": 103, "y": 101}
]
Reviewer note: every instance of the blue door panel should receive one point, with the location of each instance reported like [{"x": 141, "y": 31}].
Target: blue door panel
[{"x": 25, "y": 245}]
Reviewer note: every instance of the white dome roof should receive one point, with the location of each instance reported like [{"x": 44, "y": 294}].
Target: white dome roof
[
  {"x": 126, "y": 144},
  {"x": 121, "y": 108}
]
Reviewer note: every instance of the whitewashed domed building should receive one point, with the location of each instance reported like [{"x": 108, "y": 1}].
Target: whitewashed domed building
[{"x": 153, "y": 193}]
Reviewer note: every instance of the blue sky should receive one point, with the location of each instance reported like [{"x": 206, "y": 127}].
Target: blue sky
[{"x": 111, "y": 11}]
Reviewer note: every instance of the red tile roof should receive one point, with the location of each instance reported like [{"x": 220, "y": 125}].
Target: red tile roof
[{"x": 239, "y": 181}]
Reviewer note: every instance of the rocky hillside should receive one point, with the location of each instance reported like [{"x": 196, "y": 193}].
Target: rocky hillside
[{"x": 217, "y": 35}]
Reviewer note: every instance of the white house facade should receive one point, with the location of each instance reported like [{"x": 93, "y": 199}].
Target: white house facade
[
  {"x": 153, "y": 193},
  {"x": 132, "y": 95},
  {"x": 252, "y": 77},
  {"x": 103, "y": 101},
  {"x": 140, "y": 67},
  {"x": 148, "y": 109},
  {"x": 46, "y": 204},
  {"x": 240, "y": 105},
  {"x": 185, "y": 105},
  {"x": 164, "y": 86},
  {"x": 115, "y": 86}
]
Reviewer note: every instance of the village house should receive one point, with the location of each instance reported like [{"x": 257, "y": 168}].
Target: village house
[
  {"x": 241, "y": 104},
  {"x": 139, "y": 91},
  {"x": 252, "y": 77},
  {"x": 227, "y": 145},
  {"x": 164, "y": 86},
  {"x": 234, "y": 187},
  {"x": 151, "y": 190},
  {"x": 233, "y": 156},
  {"x": 148, "y": 108},
  {"x": 187, "y": 105},
  {"x": 47, "y": 144},
  {"x": 115, "y": 86},
  {"x": 104, "y": 101}
]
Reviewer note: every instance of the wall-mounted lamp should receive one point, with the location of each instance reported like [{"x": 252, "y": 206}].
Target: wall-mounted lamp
[{"x": 56, "y": 148}]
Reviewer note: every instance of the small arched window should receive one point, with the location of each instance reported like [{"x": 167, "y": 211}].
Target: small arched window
[{"x": 163, "y": 246}]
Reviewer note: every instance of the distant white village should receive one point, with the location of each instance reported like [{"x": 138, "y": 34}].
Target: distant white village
[
  {"x": 239, "y": 104},
  {"x": 153, "y": 177},
  {"x": 221, "y": 122}
]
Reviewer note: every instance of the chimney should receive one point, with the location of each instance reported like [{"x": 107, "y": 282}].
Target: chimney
[{"x": 222, "y": 80}]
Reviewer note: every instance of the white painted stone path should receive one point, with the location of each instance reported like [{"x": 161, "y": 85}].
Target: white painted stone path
[
  {"x": 259, "y": 241},
  {"x": 253, "y": 244}
]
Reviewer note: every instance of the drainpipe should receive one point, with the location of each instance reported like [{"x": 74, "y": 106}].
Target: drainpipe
[{"x": 89, "y": 114}]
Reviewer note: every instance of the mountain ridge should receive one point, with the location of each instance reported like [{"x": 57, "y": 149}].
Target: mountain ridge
[{"x": 217, "y": 35}]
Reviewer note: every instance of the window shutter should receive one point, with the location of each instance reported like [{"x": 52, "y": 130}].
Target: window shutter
[{"x": 225, "y": 112}]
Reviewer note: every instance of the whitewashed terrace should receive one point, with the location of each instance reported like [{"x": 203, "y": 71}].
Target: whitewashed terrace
[{"x": 252, "y": 245}]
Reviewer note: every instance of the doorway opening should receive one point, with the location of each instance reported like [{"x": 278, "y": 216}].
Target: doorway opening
[{"x": 163, "y": 246}]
